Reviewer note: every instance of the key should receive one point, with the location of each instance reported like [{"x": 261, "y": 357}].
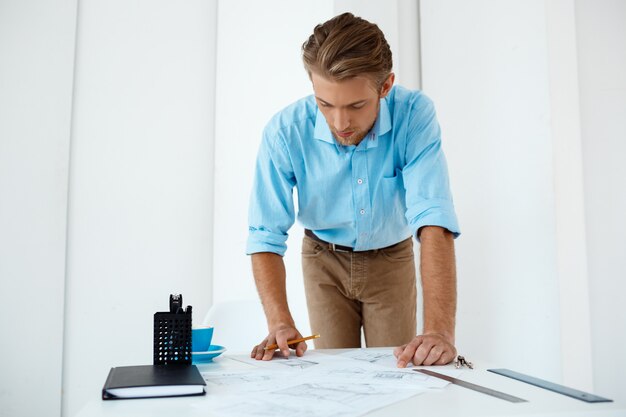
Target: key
[
  {"x": 457, "y": 363},
  {"x": 460, "y": 361}
]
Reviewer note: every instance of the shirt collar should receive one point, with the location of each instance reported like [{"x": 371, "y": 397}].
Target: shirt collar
[{"x": 381, "y": 126}]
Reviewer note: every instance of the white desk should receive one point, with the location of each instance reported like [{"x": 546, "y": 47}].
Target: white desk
[{"x": 452, "y": 401}]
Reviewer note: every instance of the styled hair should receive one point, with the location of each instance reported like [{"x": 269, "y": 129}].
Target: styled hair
[{"x": 347, "y": 46}]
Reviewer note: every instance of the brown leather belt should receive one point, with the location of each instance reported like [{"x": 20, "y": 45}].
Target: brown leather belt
[{"x": 331, "y": 246}]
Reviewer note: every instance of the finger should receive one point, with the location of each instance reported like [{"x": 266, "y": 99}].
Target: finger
[
  {"x": 267, "y": 355},
  {"x": 397, "y": 351},
  {"x": 258, "y": 348},
  {"x": 282, "y": 345},
  {"x": 448, "y": 356},
  {"x": 301, "y": 348},
  {"x": 408, "y": 352},
  {"x": 434, "y": 355},
  {"x": 261, "y": 352},
  {"x": 421, "y": 353}
]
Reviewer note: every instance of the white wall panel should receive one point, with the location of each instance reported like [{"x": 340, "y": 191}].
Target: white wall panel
[
  {"x": 601, "y": 34},
  {"x": 259, "y": 71},
  {"x": 140, "y": 189},
  {"x": 569, "y": 195},
  {"x": 36, "y": 69},
  {"x": 484, "y": 63}
]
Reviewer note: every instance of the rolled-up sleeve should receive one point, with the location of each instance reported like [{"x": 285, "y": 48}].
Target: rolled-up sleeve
[
  {"x": 425, "y": 174},
  {"x": 271, "y": 211}
]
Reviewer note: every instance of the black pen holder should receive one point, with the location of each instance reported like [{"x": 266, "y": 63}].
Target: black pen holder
[{"x": 172, "y": 334}]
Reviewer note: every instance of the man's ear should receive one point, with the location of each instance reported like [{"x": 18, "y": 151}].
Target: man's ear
[{"x": 386, "y": 87}]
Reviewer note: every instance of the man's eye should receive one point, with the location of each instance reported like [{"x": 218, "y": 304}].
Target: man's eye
[
  {"x": 323, "y": 104},
  {"x": 358, "y": 106}
]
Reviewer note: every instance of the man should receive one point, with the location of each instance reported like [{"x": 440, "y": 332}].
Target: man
[{"x": 367, "y": 163}]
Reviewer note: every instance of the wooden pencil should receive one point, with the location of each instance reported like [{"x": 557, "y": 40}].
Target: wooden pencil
[{"x": 291, "y": 342}]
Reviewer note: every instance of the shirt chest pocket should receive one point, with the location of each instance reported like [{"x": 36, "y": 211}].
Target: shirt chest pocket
[{"x": 391, "y": 198}]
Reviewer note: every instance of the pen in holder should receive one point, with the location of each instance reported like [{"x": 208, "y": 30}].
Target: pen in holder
[{"x": 172, "y": 334}]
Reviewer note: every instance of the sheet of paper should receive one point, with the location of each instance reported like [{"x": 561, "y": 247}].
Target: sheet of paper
[
  {"x": 310, "y": 360},
  {"x": 240, "y": 381},
  {"x": 382, "y": 377},
  {"x": 311, "y": 399},
  {"x": 384, "y": 358},
  {"x": 381, "y": 357},
  {"x": 317, "y": 385}
]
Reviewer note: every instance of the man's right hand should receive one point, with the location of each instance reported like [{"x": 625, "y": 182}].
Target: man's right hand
[{"x": 279, "y": 336}]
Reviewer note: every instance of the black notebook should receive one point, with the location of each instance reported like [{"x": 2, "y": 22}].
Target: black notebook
[{"x": 147, "y": 381}]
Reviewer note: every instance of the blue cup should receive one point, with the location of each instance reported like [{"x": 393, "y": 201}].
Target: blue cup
[{"x": 201, "y": 338}]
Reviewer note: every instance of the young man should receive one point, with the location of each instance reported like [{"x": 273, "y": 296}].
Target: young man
[{"x": 367, "y": 163}]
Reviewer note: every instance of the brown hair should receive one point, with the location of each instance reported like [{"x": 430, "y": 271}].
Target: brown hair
[{"x": 346, "y": 46}]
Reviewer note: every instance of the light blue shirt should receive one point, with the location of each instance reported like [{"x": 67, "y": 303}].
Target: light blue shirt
[{"x": 368, "y": 196}]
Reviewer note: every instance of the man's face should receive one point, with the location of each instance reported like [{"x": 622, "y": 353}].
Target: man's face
[{"x": 349, "y": 106}]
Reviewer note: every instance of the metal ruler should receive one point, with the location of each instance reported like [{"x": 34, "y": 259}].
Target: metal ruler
[
  {"x": 542, "y": 383},
  {"x": 473, "y": 387}
]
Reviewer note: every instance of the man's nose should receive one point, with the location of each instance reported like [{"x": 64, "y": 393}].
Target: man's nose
[{"x": 342, "y": 120}]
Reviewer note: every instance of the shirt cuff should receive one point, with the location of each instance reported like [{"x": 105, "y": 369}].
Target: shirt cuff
[
  {"x": 434, "y": 212},
  {"x": 260, "y": 240}
]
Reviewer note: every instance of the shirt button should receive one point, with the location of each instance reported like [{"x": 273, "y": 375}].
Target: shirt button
[
  {"x": 359, "y": 181},
  {"x": 362, "y": 211}
]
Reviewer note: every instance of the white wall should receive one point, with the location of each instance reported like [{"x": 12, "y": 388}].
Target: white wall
[
  {"x": 540, "y": 261},
  {"x": 259, "y": 71},
  {"x": 601, "y": 34},
  {"x": 140, "y": 181},
  {"x": 484, "y": 63},
  {"x": 571, "y": 250},
  {"x": 36, "y": 70}
]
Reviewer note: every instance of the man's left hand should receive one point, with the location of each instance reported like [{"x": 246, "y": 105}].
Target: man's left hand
[{"x": 427, "y": 349}]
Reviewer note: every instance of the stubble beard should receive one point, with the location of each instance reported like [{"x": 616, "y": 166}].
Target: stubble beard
[{"x": 354, "y": 139}]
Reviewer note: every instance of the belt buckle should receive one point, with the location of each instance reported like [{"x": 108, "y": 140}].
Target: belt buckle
[{"x": 334, "y": 248}]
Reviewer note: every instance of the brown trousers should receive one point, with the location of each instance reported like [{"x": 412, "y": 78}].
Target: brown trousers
[{"x": 348, "y": 290}]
